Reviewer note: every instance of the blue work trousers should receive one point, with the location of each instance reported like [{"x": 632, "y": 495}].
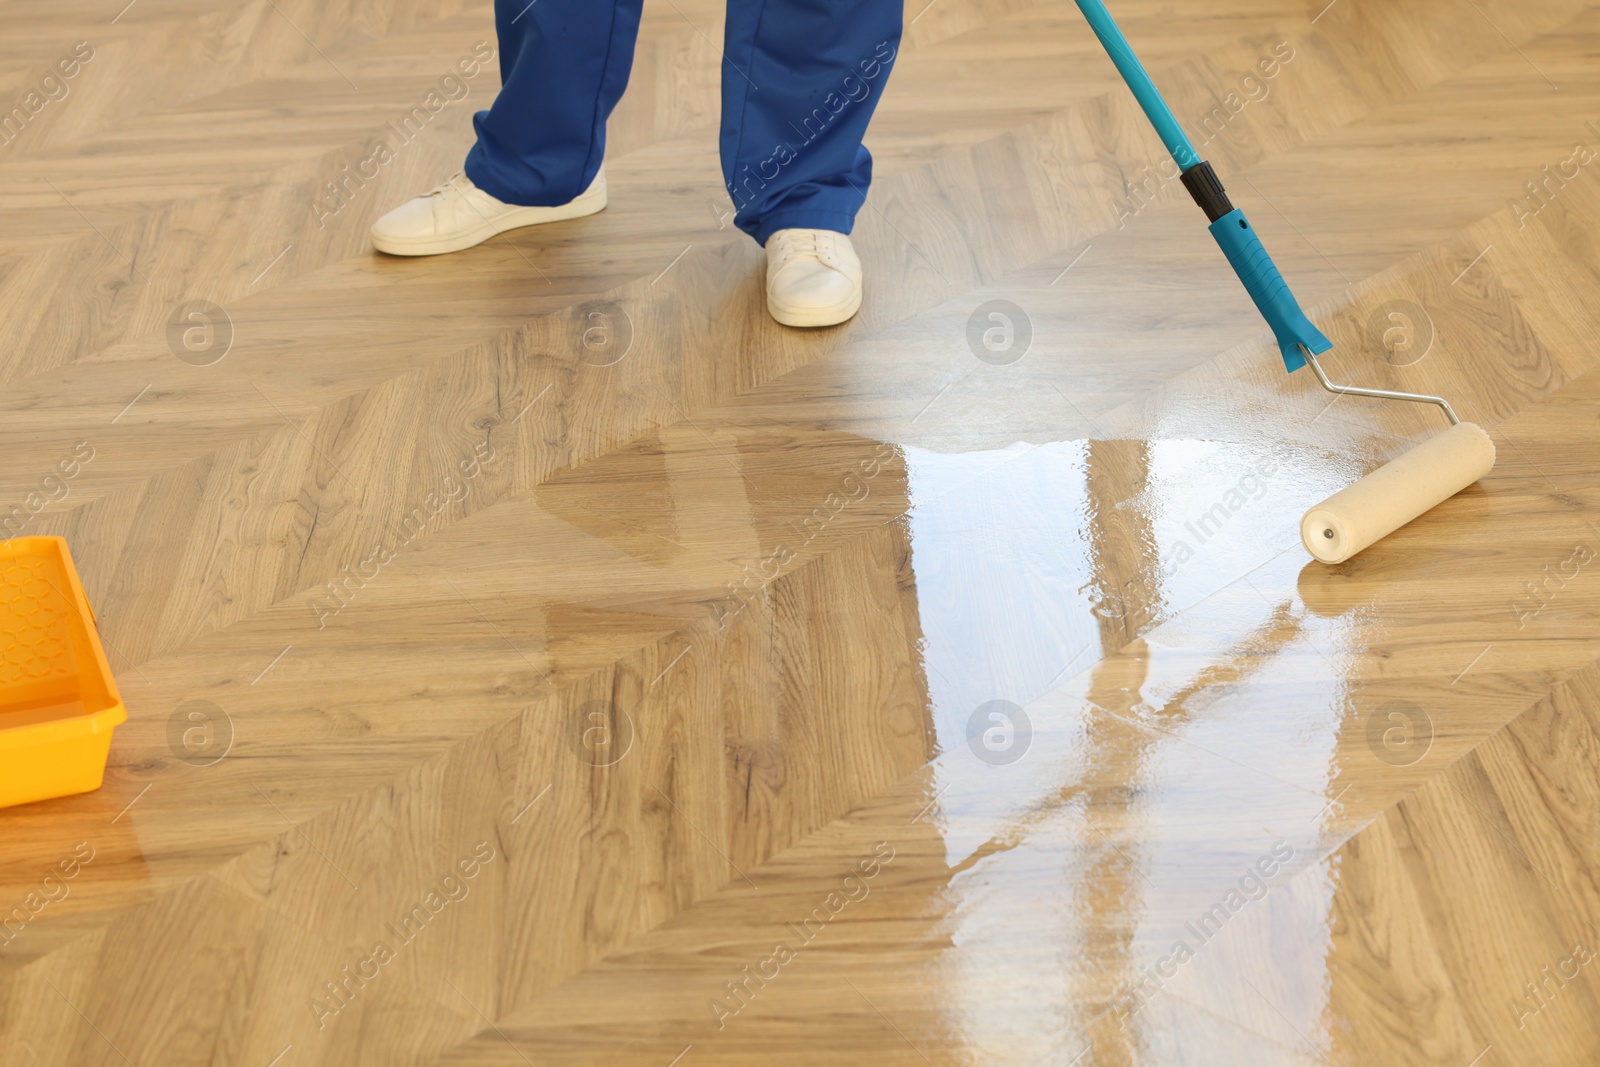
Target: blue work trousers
[{"x": 800, "y": 80}]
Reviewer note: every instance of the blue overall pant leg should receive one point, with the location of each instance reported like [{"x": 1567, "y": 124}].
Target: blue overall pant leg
[
  {"x": 563, "y": 66},
  {"x": 800, "y": 80}
]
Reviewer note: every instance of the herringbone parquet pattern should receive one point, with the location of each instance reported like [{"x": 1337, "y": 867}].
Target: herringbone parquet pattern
[{"x": 537, "y": 655}]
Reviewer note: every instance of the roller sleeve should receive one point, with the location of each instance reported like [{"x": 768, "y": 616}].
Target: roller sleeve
[{"x": 1397, "y": 492}]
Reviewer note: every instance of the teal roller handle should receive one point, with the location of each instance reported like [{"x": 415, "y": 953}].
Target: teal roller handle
[
  {"x": 1268, "y": 289},
  {"x": 1144, "y": 90},
  {"x": 1238, "y": 240}
]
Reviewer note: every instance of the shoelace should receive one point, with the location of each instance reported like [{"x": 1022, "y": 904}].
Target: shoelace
[
  {"x": 807, "y": 243},
  {"x": 449, "y": 185}
]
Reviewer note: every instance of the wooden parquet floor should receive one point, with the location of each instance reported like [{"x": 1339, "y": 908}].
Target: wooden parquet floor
[{"x": 503, "y": 692}]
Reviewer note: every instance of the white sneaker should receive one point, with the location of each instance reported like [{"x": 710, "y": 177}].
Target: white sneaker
[
  {"x": 813, "y": 277},
  {"x": 457, "y": 215}
]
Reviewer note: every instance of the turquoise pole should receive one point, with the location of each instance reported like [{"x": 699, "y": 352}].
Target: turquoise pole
[
  {"x": 1296, "y": 334},
  {"x": 1144, "y": 90}
]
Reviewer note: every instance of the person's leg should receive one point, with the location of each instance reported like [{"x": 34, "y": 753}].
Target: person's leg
[
  {"x": 563, "y": 67},
  {"x": 800, "y": 80}
]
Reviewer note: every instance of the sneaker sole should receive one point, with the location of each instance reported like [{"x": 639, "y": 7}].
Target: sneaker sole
[
  {"x": 813, "y": 317},
  {"x": 588, "y": 204}
]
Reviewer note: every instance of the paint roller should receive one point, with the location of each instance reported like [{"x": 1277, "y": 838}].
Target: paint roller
[{"x": 1395, "y": 493}]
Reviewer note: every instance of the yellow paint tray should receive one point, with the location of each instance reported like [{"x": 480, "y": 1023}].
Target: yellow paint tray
[{"x": 58, "y": 701}]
